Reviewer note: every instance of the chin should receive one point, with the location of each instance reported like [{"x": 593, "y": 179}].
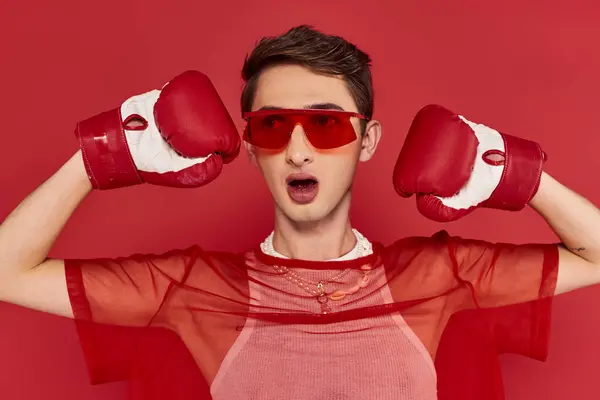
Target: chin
[
  {"x": 307, "y": 213},
  {"x": 304, "y": 215}
]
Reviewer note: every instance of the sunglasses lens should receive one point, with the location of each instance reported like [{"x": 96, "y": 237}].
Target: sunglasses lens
[
  {"x": 323, "y": 130},
  {"x": 326, "y": 131},
  {"x": 268, "y": 131}
]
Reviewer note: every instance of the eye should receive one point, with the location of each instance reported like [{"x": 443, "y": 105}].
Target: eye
[
  {"x": 324, "y": 120},
  {"x": 272, "y": 121}
]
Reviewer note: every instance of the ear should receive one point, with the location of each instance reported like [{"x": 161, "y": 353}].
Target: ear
[
  {"x": 251, "y": 153},
  {"x": 370, "y": 140}
]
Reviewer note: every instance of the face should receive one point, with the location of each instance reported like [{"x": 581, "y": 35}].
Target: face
[{"x": 295, "y": 87}]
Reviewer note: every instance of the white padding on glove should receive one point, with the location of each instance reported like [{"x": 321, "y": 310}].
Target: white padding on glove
[
  {"x": 150, "y": 152},
  {"x": 485, "y": 177}
]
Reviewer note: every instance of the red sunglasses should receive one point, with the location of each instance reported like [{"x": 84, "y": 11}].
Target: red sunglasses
[{"x": 324, "y": 129}]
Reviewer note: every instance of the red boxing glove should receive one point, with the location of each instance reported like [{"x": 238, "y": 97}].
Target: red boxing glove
[
  {"x": 178, "y": 136},
  {"x": 454, "y": 166}
]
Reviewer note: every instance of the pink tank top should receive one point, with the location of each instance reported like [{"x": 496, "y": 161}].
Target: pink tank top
[{"x": 378, "y": 358}]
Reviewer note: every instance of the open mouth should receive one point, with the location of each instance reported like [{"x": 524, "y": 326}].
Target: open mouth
[
  {"x": 302, "y": 188},
  {"x": 302, "y": 184}
]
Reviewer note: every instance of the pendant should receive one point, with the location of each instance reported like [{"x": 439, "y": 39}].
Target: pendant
[
  {"x": 321, "y": 288},
  {"x": 323, "y": 300}
]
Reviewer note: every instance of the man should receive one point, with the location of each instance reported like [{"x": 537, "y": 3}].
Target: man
[{"x": 317, "y": 310}]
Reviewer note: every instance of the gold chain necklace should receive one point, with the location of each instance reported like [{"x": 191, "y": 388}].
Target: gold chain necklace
[{"x": 320, "y": 291}]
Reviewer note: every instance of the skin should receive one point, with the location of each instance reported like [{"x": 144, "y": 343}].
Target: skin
[{"x": 319, "y": 230}]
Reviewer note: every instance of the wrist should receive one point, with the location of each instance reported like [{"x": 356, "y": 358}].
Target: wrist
[
  {"x": 76, "y": 168},
  {"x": 539, "y": 196}
]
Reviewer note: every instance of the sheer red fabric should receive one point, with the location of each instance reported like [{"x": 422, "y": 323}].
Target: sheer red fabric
[
  {"x": 467, "y": 362},
  {"x": 436, "y": 311}
]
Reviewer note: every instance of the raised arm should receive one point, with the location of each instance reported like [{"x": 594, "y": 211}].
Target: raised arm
[
  {"x": 27, "y": 276},
  {"x": 576, "y": 221},
  {"x": 474, "y": 166},
  {"x": 178, "y": 136}
]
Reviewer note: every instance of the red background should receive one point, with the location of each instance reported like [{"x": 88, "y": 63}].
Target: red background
[{"x": 528, "y": 68}]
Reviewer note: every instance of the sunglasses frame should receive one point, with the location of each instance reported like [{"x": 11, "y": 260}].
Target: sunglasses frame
[{"x": 284, "y": 111}]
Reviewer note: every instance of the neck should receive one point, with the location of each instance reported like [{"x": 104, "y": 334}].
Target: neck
[{"x": 322, "y": 240}]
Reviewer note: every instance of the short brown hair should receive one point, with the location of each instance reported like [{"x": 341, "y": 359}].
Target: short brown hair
[{"x": 322, "y": 53}]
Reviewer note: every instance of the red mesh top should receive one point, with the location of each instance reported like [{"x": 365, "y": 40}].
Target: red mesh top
[{"x": 188, "y": 320}]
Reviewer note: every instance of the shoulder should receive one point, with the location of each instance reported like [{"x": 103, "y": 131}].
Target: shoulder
[
  {"x": 436, "y": 250},
  {"x": 190, "y": 254},
  {"x": 423, "y": 255},
  {"x": 418, "y": 244},
  {"x": 174, "y": 263},
  {"x": 442, "y": 241}
]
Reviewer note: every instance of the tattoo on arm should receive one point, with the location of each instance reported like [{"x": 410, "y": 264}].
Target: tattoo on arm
[{"x": 574, "y": 249}]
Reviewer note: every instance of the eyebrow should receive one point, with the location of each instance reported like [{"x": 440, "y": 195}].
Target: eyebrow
[{"x": 316, "y": 106}]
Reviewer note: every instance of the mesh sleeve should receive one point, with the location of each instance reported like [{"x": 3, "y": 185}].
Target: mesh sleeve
[
  {"x": 467, "y": 362},
  {"x": 118, "y": 304},
  {"x": 501, "y": 274}
]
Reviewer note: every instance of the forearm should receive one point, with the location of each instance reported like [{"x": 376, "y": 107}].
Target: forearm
[
  {"x": 28, "y": 233},
  {"x": 573, "y": 218}
]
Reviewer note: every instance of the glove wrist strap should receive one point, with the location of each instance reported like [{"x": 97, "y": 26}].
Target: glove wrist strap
[
  {"x": 523, "y": 165},
  {"x": 106, "y": 155}
]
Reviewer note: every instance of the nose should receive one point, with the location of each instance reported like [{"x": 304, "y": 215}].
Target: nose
[{"x": 299, "y": 151}]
